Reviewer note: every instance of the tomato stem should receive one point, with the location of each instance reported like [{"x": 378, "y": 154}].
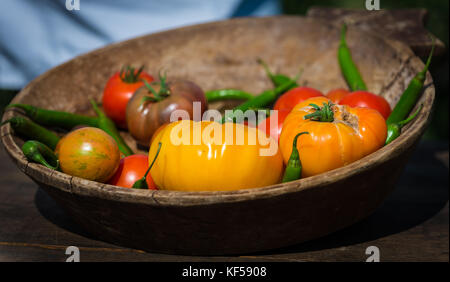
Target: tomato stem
[
  {"x": 129, "y": 74},
  {"x": 164, "y": 90},
  {"x": 324, "y": 114},
  {"x": 157, "y": 95}
]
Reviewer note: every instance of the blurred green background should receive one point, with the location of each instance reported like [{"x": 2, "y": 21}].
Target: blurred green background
[{"x": 437, "y": 23}]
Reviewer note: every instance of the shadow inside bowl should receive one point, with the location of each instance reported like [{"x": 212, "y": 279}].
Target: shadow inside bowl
[{"x": 421, "y": 192}]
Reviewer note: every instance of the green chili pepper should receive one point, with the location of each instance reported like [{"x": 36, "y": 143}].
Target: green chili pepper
[
  {"x": 265, "y": 98},
  {"x": 55, "y": 118},
  {"x": 37, "y": 152},
  {"x": 265, "y": 110},
  {"x": 293, "y": 169},
  {"x": 68, "y": 121},
  {"x": 348, "y": 67},
  {"x": 31, "y": 130},
  {"x": 394, "y": 129},
  {"x": 277, "y": 79},
  {"x": 227, "y": 94},
  {"x": 410, "y": 95},
  {"x": 142, "y": 183},
  {"x": 107, "y": 125}
]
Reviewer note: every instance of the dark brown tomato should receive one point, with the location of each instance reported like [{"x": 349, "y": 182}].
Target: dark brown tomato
[{"x": 145, "y": 117}]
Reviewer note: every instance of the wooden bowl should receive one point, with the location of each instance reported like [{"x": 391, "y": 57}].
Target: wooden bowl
[{"x": 217, "y": 55}]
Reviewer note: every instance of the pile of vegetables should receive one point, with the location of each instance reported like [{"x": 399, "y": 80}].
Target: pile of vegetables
[{"x": 314, "y": 133}]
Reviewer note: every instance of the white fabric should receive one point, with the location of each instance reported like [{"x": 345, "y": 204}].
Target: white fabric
[{"x": 36, "y": 35}]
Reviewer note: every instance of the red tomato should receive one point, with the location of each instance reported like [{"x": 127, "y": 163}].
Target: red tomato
[
  {"x": 366, "y": 99},
  {"x": 336, "y": 95},
  {"x": 116, "y": 94},
  {"x": 288, "y": 100},
  {"x": 274, "y": 131},
  {"x": 131, "y": 169}
]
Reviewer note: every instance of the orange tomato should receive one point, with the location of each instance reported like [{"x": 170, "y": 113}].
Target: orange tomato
[
  {"x": 352, "y": 134},
  {"x": 89, "y": 153}
]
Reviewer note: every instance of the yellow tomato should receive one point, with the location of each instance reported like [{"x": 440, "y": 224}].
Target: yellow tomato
[{"x": 203, "y": 156}]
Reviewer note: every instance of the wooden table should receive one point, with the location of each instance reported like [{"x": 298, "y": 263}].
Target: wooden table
[{"x": 412, "y": 224}]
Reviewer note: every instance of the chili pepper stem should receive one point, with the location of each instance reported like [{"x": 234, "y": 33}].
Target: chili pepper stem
[
  {"x": 347, "y": 65},
  {"x": 343, "y": 34},
  {"x": 411, "y": 94},
  {"x": 297, "y": 76},
  {"x": 142, "y": 183},
  {"x": 96, "y": 108},
  {"x": 421, "y": 75},
  {"x": 411, "y": 117},
  {"x": 263, "y": 99},
  {"x": 265, "y": 66},
  {"x": 277, "y": 79}
]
